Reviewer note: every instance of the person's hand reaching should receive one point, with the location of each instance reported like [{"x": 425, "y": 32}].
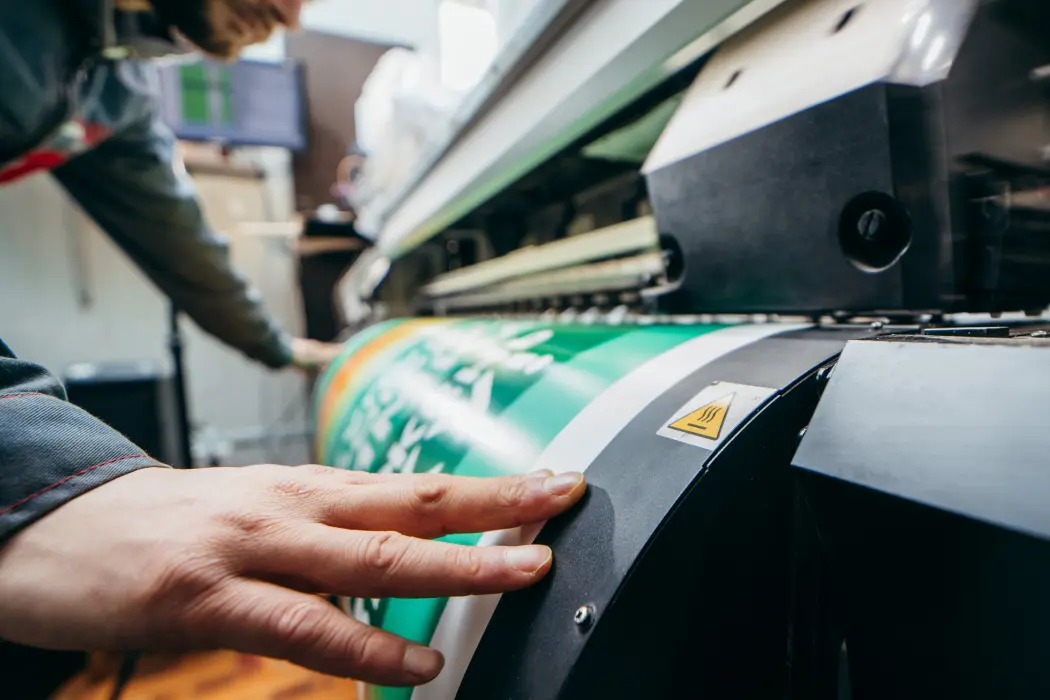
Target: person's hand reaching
[
  {"x": 313, "y": 354},
  {"x": 234, "y": 557}
]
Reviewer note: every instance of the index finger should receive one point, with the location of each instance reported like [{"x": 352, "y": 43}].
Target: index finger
[{"x": 434, "y": 505}]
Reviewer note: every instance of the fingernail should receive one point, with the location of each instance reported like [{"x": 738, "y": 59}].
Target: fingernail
[
  {"x": 541, "y": 472},
  {"x": 529, "y": 559},
  {"x": 563, "y": 484},
  {"x": 423, "y": 662}
]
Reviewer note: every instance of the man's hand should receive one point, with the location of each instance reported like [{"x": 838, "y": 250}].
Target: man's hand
[
  {"x": 313, "y": 354},
  {"x": 229, "y": 557}
]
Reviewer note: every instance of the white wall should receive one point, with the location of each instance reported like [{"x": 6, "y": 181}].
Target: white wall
[
  {"x": 402, "y": 22},
  {"x": 412, "y": 23},
  {"x": 272, "y": 50},
  {"x": 510, "y": 15},
  {"x": 407, "y": 22}
]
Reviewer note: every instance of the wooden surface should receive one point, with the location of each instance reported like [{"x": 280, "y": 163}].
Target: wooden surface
[{"x": 218, "y": 675}]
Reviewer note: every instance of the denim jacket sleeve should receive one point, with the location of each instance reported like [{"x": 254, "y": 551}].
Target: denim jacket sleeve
[
  {"x": 129, "y": 185},
  {"x": 50, "y": 450}
]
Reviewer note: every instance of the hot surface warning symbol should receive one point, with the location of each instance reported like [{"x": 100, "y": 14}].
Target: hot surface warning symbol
[
  {"x": 711, "y": 416},
  {"x": 706, "y": 421}
]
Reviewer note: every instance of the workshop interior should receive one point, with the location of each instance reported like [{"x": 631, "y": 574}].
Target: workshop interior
[{"x": 774, "y": 274}]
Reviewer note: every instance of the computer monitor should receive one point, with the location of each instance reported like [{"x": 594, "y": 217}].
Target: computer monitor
[{"x": 244, "y": 103}]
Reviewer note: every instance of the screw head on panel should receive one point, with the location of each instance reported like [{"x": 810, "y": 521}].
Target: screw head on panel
[{"x": 584, "y": 616}]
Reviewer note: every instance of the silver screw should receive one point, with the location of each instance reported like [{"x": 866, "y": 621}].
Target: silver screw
[
  {"x": 584, "y": 616},
  {"x": 870, "y": 224},
  {"x": 1040, "y": 334},
  {"x": 802, "y": 433},
  {"x": 876, "y": 325}
]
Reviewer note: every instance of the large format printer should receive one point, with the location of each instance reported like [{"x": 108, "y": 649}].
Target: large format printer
[{"x": 784, "y": 307}]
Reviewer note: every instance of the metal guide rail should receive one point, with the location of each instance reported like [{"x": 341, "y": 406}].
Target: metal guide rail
[{"x": 617, "y": 264}]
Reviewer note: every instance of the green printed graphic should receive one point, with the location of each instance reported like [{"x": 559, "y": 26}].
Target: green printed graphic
[{"x": 470, "y": 397}]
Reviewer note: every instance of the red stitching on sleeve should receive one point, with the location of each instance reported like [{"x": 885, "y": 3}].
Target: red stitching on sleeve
[
  {"x": 27, "y": 393},
  {"x": 58, "y": 483}
]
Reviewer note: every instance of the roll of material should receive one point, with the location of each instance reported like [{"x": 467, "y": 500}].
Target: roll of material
[
  {"x": 472, "y": 396},
  {"x": 485, "y": 397}
]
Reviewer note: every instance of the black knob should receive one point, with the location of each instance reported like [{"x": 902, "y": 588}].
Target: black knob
[{"x": 874, "y": 231}]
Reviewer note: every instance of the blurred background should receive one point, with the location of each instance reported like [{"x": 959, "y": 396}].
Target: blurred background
[
  {"x": 876, "y": 168},
  {"x": 273, "y": 142}
]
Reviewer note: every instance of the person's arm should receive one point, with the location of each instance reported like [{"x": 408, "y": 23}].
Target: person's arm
[
  {"x": 233, "y": 558},
  {"x": 50, "y": 450},
  {"x": 130, "y": 187}
]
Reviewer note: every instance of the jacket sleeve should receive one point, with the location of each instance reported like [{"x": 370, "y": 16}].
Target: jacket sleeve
[
  {"x": 50, "y": 450},
  {"x": 130, "y": 187}
]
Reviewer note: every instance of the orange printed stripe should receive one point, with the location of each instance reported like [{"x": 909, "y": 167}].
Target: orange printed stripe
[{"x": 346, "y": 376}]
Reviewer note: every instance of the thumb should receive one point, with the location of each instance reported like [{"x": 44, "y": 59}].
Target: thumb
[{"x": 260, "y": 618}]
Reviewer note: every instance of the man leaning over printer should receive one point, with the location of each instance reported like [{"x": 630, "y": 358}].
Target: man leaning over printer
[{"x": 102, "y": 547}]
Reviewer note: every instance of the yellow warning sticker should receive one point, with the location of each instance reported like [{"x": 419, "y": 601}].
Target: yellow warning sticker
[
  {"x": 711, "y": 416},
  {"x": 706, "y": 421}
]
